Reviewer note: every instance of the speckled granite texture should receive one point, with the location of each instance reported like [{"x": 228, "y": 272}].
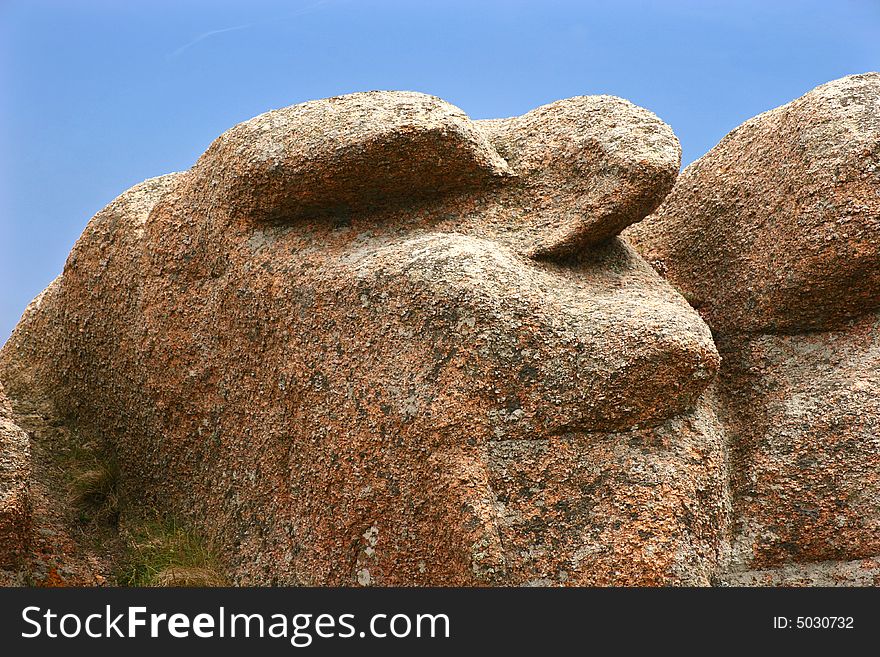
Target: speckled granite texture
[{"x": 368, "y": 341}]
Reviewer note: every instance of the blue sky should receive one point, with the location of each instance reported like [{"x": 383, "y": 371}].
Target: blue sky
[{"x": 98, "y": 95}]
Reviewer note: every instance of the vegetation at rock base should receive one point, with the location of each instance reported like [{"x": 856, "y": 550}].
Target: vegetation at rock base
[
  {"x": 163, "y": 552},
  {"x": 157, "y": 550},
  {"x": 94, "y": 480}
]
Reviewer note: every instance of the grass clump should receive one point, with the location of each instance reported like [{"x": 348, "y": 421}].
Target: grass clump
[
  {"x": 164, "y": 553},
  {"x": 93, "y": 488},
  {"x": 151, "y": 549}
]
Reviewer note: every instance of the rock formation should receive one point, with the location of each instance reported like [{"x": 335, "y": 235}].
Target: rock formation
[
  {"x": 774, "y": 236},
  {"x": 366, "y": 340}
]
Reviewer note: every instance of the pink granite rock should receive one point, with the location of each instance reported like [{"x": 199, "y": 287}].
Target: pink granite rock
[
  {"x": 774, "y": 237},
  {"x": 365, "y": 340}
]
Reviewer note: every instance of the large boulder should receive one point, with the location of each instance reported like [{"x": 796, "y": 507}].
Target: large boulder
[
  {"x": 587, "y": 168},
  {"x": 774, "y": 236},
  {"x": 777, "y": 228},
  {"x": 365, "y": 340}
]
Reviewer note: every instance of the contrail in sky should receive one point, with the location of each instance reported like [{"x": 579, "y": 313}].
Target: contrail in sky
[
  {"x": 204, "y": 36},
  {"x": 207, "y": 35}
]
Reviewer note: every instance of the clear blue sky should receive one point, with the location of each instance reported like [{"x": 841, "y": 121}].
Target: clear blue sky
[{"x": 98, "y": 95}]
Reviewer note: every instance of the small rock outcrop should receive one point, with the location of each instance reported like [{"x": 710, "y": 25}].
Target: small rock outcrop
[
  {"x": 774, "y": 236},
  {"x": 366, "y": 340}
]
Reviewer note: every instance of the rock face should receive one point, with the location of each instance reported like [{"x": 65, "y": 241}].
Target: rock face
[
  {"x": 774, "y": 236},
  {"x": 368, "y": 341},
  {"x": 14, "y": 500},
  {"x": 803, "y": 416}
]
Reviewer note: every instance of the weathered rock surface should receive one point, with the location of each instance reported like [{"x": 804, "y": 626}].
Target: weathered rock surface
[
  {"x": 862, "y": 572},
  {"x": 774, "y": 236},
  {"x": 365, "y": 340},
  {"x": 14, "y": 485},
  {"x": 587, "y": 168},
  {"x": 803, "y": 418},
  {"x": 777, "y": 228},
  {"x": 52, "y": 545},
  {"x": 344, "y": 154}
]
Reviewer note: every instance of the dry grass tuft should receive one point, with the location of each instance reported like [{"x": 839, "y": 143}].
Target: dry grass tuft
[
  {"x": 164, "y": 553},
  {"x": 183, "y": 576},
  {"x": 94, "y": 488}
]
